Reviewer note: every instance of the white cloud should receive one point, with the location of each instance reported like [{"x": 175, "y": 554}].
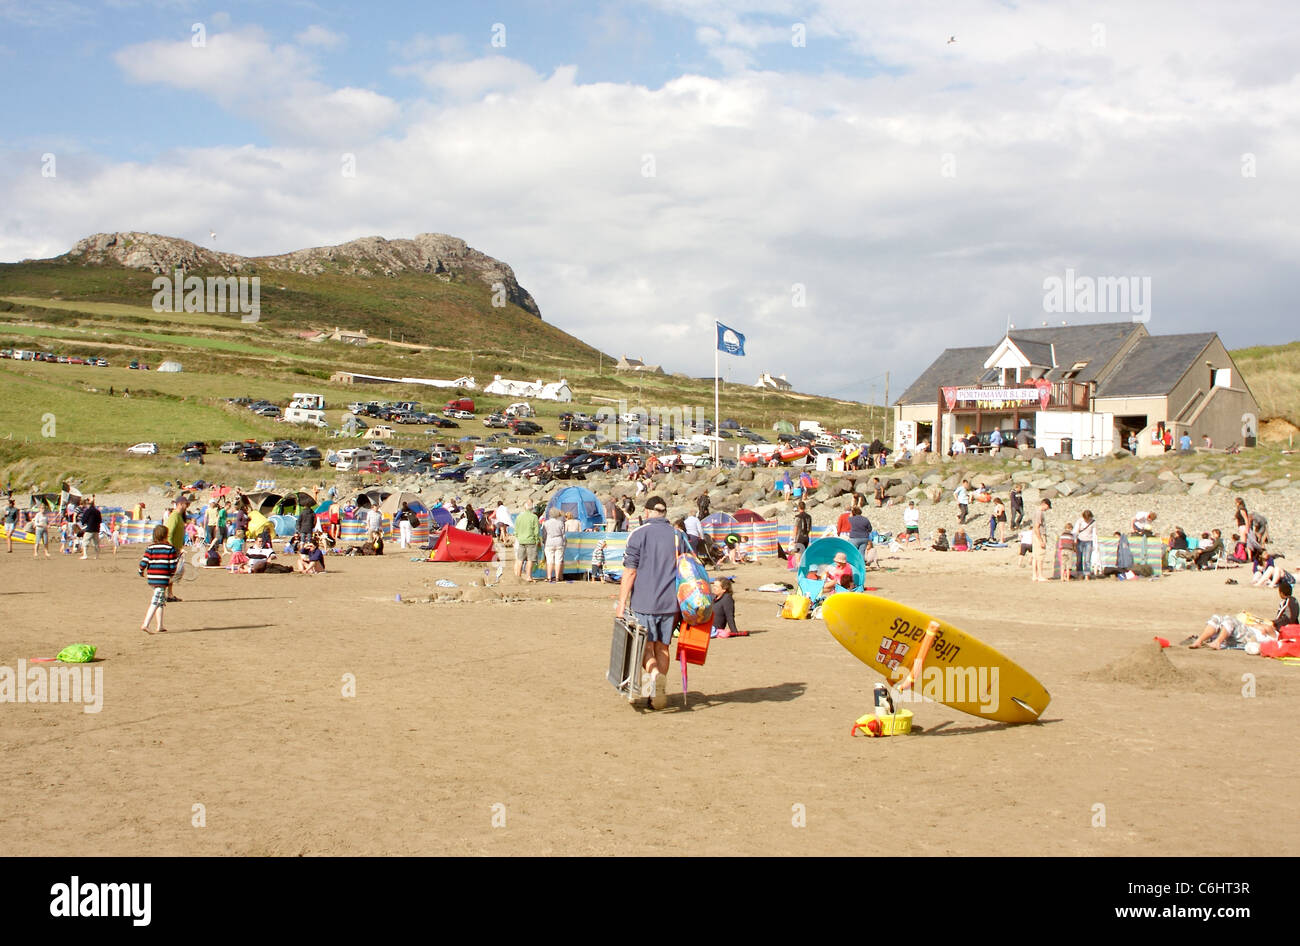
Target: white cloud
[
  {"x": 316, "y": 35},
  {"x": 1119, "y": 160},
  {"x": 245, "y": 72}
]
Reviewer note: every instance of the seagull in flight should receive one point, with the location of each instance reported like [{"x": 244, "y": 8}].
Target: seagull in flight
[
  {"x": 212, "y": 234},
  {"x": 951, "y": 40}
]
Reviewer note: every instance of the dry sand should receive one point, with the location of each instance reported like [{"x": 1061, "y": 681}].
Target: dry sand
[{"x": 461, "y": 707}]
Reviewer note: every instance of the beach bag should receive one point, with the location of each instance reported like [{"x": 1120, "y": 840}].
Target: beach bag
[
  {"x": 694, "y": 595},
  {"x": 796, "y": 607},
  {"x": 77, "y": 654}
]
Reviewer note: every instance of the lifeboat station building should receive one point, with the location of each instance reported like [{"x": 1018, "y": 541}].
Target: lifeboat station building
[{"x": 1079, "y": 390}]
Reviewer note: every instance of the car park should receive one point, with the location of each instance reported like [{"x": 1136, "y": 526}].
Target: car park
[
  {"x": 252, "y": 453},
  {"x": 143, "y": 449},
  {"x": 496, "y": 420},
  {"x": 455, "y": 473}
]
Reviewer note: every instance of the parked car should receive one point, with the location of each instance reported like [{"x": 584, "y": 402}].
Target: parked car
[
  {"x": 377, "y": 465},
  {"x": 143, "y": 450},
  {"x": 195, "y": 446},
  {"x": 458, "y": 414},
  {"x": 496, "y": 420},
  {"x": 252, "y": 454},
  {"x": 442, "y": 423},
  {"x": 454, "y": 473}
]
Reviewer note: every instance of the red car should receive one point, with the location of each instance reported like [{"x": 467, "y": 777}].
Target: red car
[{"x": 376, "y": 465}]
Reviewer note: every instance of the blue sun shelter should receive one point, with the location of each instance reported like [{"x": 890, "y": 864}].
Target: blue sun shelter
[
  {"x": 821, "y": 553},
  {"x": 582, "y": 503}
]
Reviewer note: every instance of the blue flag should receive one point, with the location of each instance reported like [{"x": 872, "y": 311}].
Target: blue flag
[{"x": 730, "y": 341}]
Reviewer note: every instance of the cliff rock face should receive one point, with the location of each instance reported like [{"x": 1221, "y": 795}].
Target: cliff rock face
[{"x": 436, "y": 254}]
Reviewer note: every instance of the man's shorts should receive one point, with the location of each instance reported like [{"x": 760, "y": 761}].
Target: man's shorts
[
  {"x": 658, "y": 627},
  {"x": 555, "y": 555},
  {"x": 913, "y": 530},
  {"x": 526, "y": 553}
]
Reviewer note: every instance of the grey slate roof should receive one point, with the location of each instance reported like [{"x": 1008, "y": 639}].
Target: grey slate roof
[
  {"x": 1095, "y": 343},
  {"x": 1038, "y": 353},
  {"x": 1155, "y": 365},
  {"x": 954, "y": 366}
]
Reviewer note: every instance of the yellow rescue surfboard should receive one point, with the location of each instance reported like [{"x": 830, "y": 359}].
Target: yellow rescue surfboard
[
  {"x": 958, "y": 670},
  {"x": 20, "y": 536}
]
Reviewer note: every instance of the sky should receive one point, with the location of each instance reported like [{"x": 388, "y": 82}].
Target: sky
[{"x": 854, "y": 185}]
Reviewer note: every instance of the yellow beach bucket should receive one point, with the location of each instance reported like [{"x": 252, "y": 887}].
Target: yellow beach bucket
[{"x": 898, "y": 724}]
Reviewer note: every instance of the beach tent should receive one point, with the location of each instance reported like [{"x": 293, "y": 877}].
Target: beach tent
[
  {"x": 721, "y": 522},
  {"x": 284, "y": 525},
  {"x": 392, "y": 505},
  {"x": 257, "y": 524},
  {"x": 456, "y": 545},
  {"x": 371, "y": 497},
  {"x": 290, "y": 503},
  {"x": 263, "y": 502},
  {"x": 439, "y": 516},
  {"x": 171, "y": 366},
  {"x": 325, "y": 506},
  {"x": 582, "y": 503},
  {"x": 822, "y": 552},
  {"x": 783, "y": 427},
  {"x": 748, "y": 515}
]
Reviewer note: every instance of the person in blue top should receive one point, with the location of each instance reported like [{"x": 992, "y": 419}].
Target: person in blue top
[
  {"x": 1185, "y": 443},
  {"x": 649, "y": 591}
]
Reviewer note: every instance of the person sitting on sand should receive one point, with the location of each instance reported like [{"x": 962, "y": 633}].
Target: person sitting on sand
[
  {"x": 1209, "y": 549},
  {"x": 960, "y": 543},
  {"x": 870, "y": 557},
  {"x": 724, "y": 611},
  {"x": 837, "y": 575},
  {"x": 311, "y": 561},
  {"x": 939, "y": 542},
  {"x": 1273, "y": 573}
]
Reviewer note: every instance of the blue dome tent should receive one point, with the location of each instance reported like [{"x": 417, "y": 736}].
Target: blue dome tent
[{"x": 582, "y": 503}]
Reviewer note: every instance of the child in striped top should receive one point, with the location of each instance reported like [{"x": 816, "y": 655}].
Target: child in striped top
[{"x": 158, "y": 566}]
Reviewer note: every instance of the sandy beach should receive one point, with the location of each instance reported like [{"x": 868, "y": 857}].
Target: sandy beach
[{"x": 488, "y": 728}]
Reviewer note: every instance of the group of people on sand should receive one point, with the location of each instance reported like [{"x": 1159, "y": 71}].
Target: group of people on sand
[{"x": 79, "y": 522}]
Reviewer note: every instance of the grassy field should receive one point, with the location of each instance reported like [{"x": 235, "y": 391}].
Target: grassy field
[{"x": 1273, "y": 372}]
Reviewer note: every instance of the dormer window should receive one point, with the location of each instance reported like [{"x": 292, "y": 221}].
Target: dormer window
[{"x": 1074, "y": 370}]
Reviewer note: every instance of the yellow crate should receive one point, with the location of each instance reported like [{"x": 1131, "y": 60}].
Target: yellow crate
[{"x": 900, "y": 724}]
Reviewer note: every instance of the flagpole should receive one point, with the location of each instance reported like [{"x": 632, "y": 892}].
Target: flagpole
[{"x": 715, "y": 396}]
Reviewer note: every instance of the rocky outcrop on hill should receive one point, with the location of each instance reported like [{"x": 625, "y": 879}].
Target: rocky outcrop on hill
[{"x": 435, "y": 254}]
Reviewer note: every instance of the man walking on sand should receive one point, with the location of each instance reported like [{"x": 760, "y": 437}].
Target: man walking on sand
[
  {"x": 962, "y": 495},
  {"x": 1040, "y": 539},
  {"x": 649, "y": 586}
]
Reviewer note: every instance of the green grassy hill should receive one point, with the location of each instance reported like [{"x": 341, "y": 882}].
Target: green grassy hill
[
  {"x": 439, "y": 330},
  {"x": 1273, "y": 373}
]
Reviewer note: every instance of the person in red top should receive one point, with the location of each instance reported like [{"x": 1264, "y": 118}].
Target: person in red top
[
  {"x": 842, "y": 524},
  {"x": 840, "y": 573}
]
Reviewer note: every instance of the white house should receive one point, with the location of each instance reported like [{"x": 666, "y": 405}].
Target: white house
[
  {"x": 555, "y": 391},
  {"x": 778, "y": 383}
]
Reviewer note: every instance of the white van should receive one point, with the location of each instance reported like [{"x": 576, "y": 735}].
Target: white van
[
  {"x": 520, "y": 409},
  {"x": 309, "y": 402},
  {"x": 851, "y": 433},
  {"x": 353, "y": 459},
  {"x": 485, "y": 453},
  {"x": 302, "y": 415}
]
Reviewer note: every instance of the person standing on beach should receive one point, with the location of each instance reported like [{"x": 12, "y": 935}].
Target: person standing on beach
[
  {"x": 1017, "y": 506},
  {"x": 11, "y": 522},
  {"x": 1040, "y": 539},
  {"x": 159, "y": 566},
  {"x": 962, "y": 495},
  {"x": 649, "y": 589},
  {"x": 90, "y": 520},
  {"x": 554, "y": 532},
  {"x": 40, "y": 530},
  {"x": 175, "y": 524},
  {"x": 802, "y": 529},
  {"x": 1085, "y": 536},
  {"x": 527, "y": 536}
]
